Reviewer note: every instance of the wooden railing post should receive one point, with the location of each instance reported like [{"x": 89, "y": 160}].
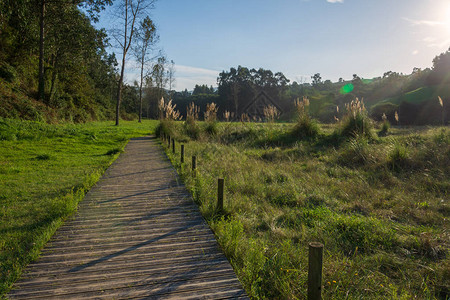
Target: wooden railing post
[
  {"x": 168, "y": 141},
  {"x": 220, "y": 189},
  {"x": 315, "y": 271},
  {"x": 173, "y": 146},
  {"x": 194, "y": 162},
  {"x": 182, "y": 154}
]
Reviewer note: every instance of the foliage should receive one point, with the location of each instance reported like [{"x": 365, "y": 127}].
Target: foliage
[
  {"x": 191, "y": 127},
  {"x": 238, "y": 87},
  {"x": 356, "y": 122},
  {"x": 78, "y": 71},
  {"x": 384, "y": 126},
  {"x": 271, "y": 113},
  {"x": 211, "y": 118},
  {"x": 305, "y": 127}
]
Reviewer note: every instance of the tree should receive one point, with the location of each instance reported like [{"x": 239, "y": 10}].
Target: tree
[
  {"x": 146, "y": 37},
  {"x": 316, "y": 80},
  {"x": 131, "y": 11},
  {"x": 239, "y": 86},
  {"x": 441, "y": 68},
  {"x": 171, "y": 77},
  {"x": 93, "y": 8},
  {"x": 159, "y": 75}
]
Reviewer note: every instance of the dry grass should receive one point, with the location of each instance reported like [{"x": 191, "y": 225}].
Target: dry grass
[{"x": 384, "y": 228}]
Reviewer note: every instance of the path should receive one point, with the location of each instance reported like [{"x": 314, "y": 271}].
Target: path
[{"x": 137, "y": 234}]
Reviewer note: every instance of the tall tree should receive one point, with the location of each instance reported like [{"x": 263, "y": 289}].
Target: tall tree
[
  {"x": 146, "y": 37},
  {"x": 159, "y": 75},
  {"x": 93, "y": 8},
  {"x": 316, "y": 80},
  {"x": 131, "y": 12},
  {"x": 171, "y": 77},
  {"x": 239, "y": 86}
]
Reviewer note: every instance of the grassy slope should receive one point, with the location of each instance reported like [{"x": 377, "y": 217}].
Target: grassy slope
[
  {"x": 45, "y": 171},
  {"x": 420, "y": 95},
  {"x": 382, "y": 213}
]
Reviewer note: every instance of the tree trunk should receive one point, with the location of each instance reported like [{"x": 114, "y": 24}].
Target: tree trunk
[
  {"x": 41, "y": 87},
  {"x": 119, "y": 91},
  {"x": 125, "y": 48},
  {"x": 54, "y": 79},
  {"x": 140, "y": 88}
]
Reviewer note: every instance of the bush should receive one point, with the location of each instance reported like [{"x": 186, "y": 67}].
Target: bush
[
  {"x": 305, "y": 127},
  {"x": 190, "y": 125},
  {"x": 356, "y": 122},
  {"x": 356, "y": 152},
  {"x": 385, "y": 126},
  {"x": 398, "y": 156},
  {"x": 7, "y": 72}
]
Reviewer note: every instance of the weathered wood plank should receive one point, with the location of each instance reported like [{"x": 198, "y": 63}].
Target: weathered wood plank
[{"x": 137, "y": 234}]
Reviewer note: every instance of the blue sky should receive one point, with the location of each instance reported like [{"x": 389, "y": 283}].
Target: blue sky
[{"x": 336, "y": 38}]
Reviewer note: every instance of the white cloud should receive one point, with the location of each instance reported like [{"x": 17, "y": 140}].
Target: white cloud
[
  {"x": 442, "y": 45},
  {"x": 187, "y": 77},
  {"x": 335, "y": 1},
  {"x": 424, "y": 22},
  {"x": 429, "y": 39}
]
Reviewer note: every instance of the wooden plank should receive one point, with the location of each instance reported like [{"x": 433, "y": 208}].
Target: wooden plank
[{"x": 137, "y": 234}]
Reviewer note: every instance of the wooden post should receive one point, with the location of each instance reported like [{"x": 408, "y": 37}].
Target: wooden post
[
  {"x": 194, "y": 162},
  {"x": 168, "y": 141},
  {"x": 182, "y": 154},
  {"x": 220, "y": 188},
  {"x": 173, "y": 146},
  {"x": 315, "y": 271}
]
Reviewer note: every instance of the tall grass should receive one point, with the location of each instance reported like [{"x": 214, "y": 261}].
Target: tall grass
[
  {"x": 356, "y": 121},
  {"x": 305, "y": 127},
  {"x": 384, "y": 228}
]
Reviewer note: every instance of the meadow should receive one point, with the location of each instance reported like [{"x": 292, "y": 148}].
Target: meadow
[
  {"x": 45, "y": 170},
  {"x": 376, "y": 197}
]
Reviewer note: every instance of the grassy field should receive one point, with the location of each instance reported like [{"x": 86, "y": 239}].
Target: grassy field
[
  {"x": 45, "y": 170},
  {"x": 378, "y": 204}
]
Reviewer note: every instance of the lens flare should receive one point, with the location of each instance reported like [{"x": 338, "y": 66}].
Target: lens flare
[{"x": 346, "y": 89}]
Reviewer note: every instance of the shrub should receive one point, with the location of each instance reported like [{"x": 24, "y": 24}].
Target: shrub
[
  {"x": 385, "y": 126},
  {"x": 190, "y": 125},
  {"x": 305, "y": 127},
  {"x": 271, "y": 113},
  {"x": 398, "y": 156},
  {"x": 8, "y": 72},
  {"x": 356, "y": 151},
  {"x": 211, "y": 118},
  {"x": 356, "y": 121}
]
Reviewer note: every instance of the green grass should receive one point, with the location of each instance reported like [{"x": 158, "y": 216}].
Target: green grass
[
  {"x": 418, "y": 96},
  {"x": 379, "y": 205},
  {"x": 45, "y": 170}
]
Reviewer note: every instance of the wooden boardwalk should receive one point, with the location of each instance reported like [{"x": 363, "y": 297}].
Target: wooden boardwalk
[{"x": 137, "y": 234}]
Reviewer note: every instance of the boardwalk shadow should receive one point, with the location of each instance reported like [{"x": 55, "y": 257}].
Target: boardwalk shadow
[
  {"x": 129, "y": 249},
  {"x": 142, "y": 172},
  {"x": 144, "y": 138},
  {"x": 175, "y": 282},
  {"x": 150, "y": 216},
  {"x": 136, "y": 194}
]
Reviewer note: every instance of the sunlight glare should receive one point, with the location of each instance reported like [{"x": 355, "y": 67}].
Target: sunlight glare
[{"x": 447, "y": 18}]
